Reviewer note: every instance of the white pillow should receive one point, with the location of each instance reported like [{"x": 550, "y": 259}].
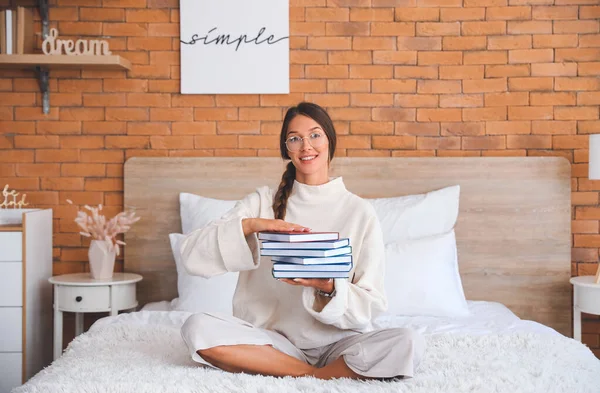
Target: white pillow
[
  {"x": 415, "y": 216},
  {"x": 198, "y": 294},
  {"x": 422, "y": 277},
  {"x": 197, "y": 211},
  {"x": 402, "y": 217}
]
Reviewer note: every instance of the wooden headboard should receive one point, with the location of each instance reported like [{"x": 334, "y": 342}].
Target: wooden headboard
[{"x": 513, "y": 230}]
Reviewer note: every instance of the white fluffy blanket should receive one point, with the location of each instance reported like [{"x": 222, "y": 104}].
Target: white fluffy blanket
[{"x": 133, "y": 357}]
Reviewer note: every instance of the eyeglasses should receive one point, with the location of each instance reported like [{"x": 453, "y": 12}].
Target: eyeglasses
[{"x": 316, "y": 140}]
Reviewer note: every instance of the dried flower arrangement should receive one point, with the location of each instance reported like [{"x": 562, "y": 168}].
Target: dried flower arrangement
[{"x": 94, "y": 225}]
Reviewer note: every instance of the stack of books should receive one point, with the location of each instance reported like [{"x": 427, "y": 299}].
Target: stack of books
[{"x": 307, "y": 254}]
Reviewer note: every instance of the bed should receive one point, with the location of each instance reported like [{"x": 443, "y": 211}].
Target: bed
[{"x": 514, "y": 244}]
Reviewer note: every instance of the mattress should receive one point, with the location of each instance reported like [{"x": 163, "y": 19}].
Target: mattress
[{"x": 492, "y": 350}]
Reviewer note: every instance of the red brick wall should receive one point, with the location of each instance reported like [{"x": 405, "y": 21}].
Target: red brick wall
[{"x": 400, "y": 78}]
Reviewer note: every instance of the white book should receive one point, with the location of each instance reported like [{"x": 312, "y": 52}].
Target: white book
[
  {"x": 9, "y": 32},
  {"x": 298, "y": 236},
  {"x": 278, "y": 274},
  {"x": 319, "y": 245},
  {"x": 292, "y": 267},
  {"x": 313, "y": 260},
  {"x": 307, "y": 253}
]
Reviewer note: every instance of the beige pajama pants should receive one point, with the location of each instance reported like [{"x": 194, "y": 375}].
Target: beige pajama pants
[{"x": 384, "y": 353}]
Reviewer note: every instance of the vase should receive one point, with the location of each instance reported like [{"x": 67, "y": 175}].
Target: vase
[{"x": 102, "y": 261}]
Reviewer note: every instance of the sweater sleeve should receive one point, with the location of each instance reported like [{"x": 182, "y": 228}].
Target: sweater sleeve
[
  {"x": 221, "y": 246},
  {"x": 356, "y": 302}
]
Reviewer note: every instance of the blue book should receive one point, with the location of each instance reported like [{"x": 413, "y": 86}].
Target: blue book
[
  {"x": 320, "y": 245},
  {"x": 292, "y": 267},
  {"x": 294, "y": 236},
  {"x": 313, "y": 260},
  {"x": 284, "y": 274},
  {"x": 307, "y": 253}
]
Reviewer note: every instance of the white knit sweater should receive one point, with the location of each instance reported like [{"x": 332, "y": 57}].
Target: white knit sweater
[{"x": 306, "y": 319}]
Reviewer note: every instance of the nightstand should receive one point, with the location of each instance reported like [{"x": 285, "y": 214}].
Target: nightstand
[
  {"x": 586, "y": 298},
  {"x": 80, "y": 293}
]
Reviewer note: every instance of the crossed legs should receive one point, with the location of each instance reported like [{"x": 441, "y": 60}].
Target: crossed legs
[{"x": 266, "y": 360}]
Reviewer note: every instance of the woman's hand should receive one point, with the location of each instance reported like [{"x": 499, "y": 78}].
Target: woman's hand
[
  {"x": 324, "y": 284},
  {"x": 252, "y": 225}
]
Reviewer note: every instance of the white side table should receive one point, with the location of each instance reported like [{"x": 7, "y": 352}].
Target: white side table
[
  {"x": 80, "y": 293},
  {"x": 586, "y": 298}
]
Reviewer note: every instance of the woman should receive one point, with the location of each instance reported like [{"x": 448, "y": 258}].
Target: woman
[{"x": 299, "y": 327}]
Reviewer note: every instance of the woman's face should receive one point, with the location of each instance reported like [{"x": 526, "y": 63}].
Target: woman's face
[{"x": 308, "y": 148}]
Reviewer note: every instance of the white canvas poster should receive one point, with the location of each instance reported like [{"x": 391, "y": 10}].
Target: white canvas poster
[{"x": 234, "y": 46}]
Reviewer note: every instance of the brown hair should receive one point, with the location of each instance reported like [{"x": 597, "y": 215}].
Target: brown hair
[{"x": 319, "y": 115}]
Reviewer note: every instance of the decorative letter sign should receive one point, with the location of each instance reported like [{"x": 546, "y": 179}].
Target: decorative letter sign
[
  {"x": 53, "y": 46},
  {"x": 6, "y": 203},
  {"x": 234, "y": 46}
]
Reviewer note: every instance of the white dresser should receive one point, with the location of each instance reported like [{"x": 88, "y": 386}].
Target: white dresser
[{"x": 25, "y": 297}]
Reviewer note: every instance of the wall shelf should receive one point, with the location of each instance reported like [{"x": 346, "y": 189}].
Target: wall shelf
[
  {"x": 31, "y": 61},
  {"x": 42, "y": 64}
]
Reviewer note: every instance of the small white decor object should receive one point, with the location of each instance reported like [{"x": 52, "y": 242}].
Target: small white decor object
[
  {"x": 104, "y": 247},
  {"x": 234, "y": 47},
  {"x": 53, "y": 46}
]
